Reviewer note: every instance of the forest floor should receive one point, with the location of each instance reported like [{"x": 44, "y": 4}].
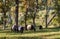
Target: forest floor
[{"x": 49, "y": 33}]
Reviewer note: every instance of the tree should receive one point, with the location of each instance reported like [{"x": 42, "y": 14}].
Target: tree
[
  {"x": 16, "y": 18},
  {"x": 46, "y": 16},
  {"x": 57, "y": 2},
  {"x": 4, "y": 13},
  {"x": 5, "y": 7},
  {"x": 35, "y": 11},
  {"x": 26, "y": 19},
  {"x": 29, "y": 6}
]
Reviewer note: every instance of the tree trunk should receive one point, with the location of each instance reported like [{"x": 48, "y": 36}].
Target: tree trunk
[
  {"x": 46, "y": 13},
  {"x": 34, "y": 18},
  {"x": 26, "y": 19},
  {"x": 46, "y": 21},
  {"x": 16, "y": 18},
  {"x": 10, "y": 19},
  {"x": 4, "y": 14},
  {"x": 4, "y": 20},
  {"x": 51, "y": 19}
]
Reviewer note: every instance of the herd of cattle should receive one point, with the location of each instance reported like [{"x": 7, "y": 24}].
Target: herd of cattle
[{"x": 21, "y": 28}]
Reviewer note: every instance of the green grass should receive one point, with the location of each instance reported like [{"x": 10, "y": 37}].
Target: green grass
[
  {"x": 49, "y": 33},
  {"x": 20, "y": 38}
]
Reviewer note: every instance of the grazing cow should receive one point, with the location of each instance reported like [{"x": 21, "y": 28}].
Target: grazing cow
[
  {"x": 31, "y": 27},
  {"x": 14, "y": 28},
  {"x": 20, "y": 29},
  {"x": 40, "y": 27},
  {"x": 17, "y": 29}
]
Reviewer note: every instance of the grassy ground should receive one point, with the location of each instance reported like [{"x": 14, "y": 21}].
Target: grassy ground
[{"x": 49, "y": 33}]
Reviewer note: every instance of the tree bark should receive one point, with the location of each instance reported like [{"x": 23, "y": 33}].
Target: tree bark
[
  {"x": 4, "y": 14},
  {"x": 26, "y": 19},
  {"x": 51, "y": 19},
  {"x": 46, "y": 21},
  {"x": 46, "y": 13},
  {"x": 16, "y": 18},
  {"x": 4, "y": 20},
  {"x": 34, "y": 16}
]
